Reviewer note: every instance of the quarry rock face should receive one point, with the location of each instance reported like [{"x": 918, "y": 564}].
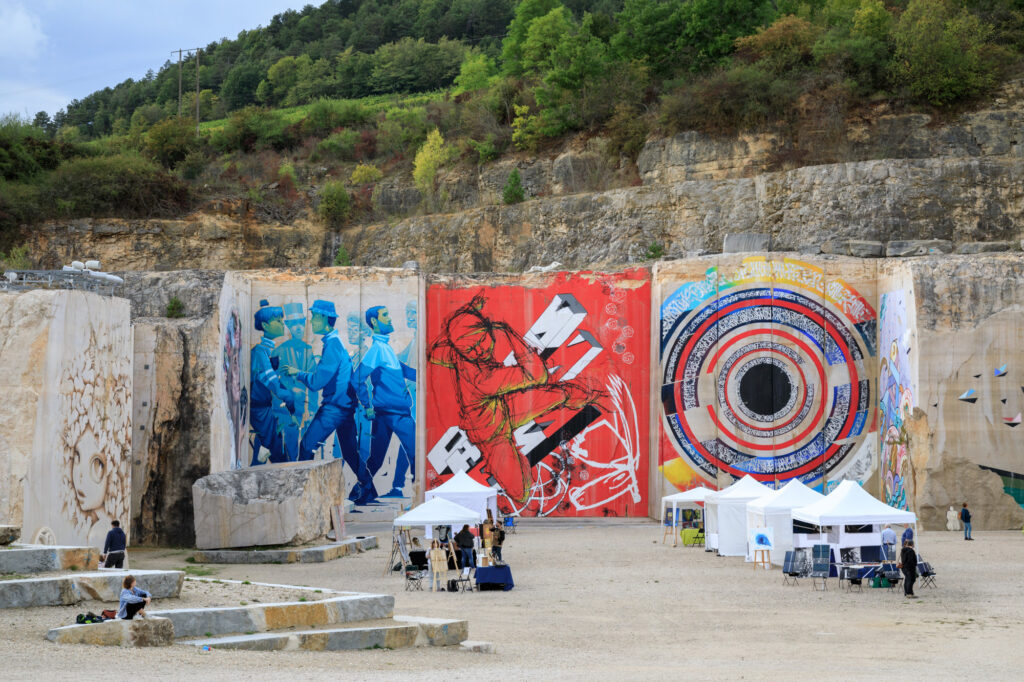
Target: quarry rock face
[{"x": 275, "y": 504}]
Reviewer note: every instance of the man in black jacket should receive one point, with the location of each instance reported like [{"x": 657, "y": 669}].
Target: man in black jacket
[
  {"x": 965, "y": 516},
  {"x": 908, "y": 562},
  {"x": 464, "y": 541},
  {"x": 114, "y": 547}
]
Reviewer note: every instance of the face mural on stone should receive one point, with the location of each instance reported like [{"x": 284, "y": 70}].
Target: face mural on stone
[{"x": 89, "y": 472}]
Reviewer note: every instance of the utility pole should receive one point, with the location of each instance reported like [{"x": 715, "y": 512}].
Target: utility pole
[
  {"x": 188, "y": 51},
  {"x": 198, "y": 50}
]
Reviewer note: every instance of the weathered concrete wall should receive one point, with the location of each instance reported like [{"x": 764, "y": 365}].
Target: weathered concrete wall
[{"x": 67, "y": 441}]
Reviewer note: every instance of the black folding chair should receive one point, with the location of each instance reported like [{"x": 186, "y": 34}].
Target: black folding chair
[
  {"x": 891, "y": 575},
  {"x": 852, "y": 578},
  {"x": 698, "y": 539},
  {"x": 926, "y": 573},
  {"x": 414, "y": 576}
]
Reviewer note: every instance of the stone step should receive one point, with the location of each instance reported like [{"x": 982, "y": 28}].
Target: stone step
[
  {"x": 137, "y": 632},
  {"x": 304, "y": 555},
  {"x": 76, "y": 587},
  {"x": 20, "y": 558},
  {"x": 402, "y": 633},
  {"x": 345, "y": 608}
]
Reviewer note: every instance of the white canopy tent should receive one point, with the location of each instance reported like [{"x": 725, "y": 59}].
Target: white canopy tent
[
  {"x": 774, "y": 511},
  {"x": 850, "y": 505},
  {"x": 463, "y": 490},
  {"x": 688, "y": 499},
  {"x": 725, "y": 516},
  {"x": 438, "y": 512}
]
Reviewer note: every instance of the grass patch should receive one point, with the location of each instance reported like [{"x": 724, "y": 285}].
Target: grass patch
[
  {"x": 12, "y": 576},
  {"x": 199, "y": 570}
]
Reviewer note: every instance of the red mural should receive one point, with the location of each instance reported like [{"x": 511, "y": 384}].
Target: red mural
[{"x": 543, "y": 391}]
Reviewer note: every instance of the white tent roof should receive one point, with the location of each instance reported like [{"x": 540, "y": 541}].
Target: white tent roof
[
  {"x": 793, "y": 494},
  {"x": 462, "y": 483},
  {"x": 438, "y": 512},
  {"x": 851, "y": 504},
  {"x": 694, "y": 495},
  {"x": 747, "y": 488}
]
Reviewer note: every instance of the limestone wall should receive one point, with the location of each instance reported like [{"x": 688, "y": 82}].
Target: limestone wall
[{"x": 68, "y": 429}]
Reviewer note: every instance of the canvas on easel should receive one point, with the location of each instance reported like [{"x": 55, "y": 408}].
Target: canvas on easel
[{"x": 762, "y": 542}]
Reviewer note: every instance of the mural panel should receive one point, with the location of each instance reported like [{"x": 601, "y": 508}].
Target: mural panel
[
  {"x": 540, "y": 385},
  {"x": 79, "y": 479},
  {"x": 895, "y": 397},
  {"x": 325, "y": 367},
  {"x": 767, "y": 369}
]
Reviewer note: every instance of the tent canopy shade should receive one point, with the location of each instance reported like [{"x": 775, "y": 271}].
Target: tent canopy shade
[
  {"x": 774, "y": 511},
  {"x": 463, "y": 490},
  {"x": 850, "y": 504},
  {"x": 792, "y": 495},
  {"x": 726, "y": 514},
  {"x": 438, "y": 512}
]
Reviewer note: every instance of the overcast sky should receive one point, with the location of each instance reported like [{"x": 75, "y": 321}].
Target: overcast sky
[{"x": 53, "y": 51}]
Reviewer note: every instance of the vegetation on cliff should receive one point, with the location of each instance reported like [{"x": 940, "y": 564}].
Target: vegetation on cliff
[{"x": 379, "y": 83}]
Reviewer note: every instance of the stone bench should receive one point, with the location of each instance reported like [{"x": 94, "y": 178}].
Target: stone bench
[
  {"x": 19, "y": 558},
  {"x": 137, "y": 632},
  {"x": 305, "y": 555},
  {"x": 76, "y": 587}
]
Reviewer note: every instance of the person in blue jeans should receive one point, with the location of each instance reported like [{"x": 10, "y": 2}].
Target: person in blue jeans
[
  {"x": 390, "y": 406},
  {"x": 336, "y": 414},
  {"x": 464, "y": 541},
  {"x": 965, "y": 516}
]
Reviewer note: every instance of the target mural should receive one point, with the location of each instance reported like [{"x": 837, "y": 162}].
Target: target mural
[{"x": 768, "y": 371}]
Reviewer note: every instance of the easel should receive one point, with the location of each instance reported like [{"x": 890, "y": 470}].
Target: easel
[
  {"x": 761, "y": 559},
  {"x": 399, "y": 549}
]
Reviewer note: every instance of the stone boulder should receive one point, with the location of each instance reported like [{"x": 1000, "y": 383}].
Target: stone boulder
[
  {"x": 9, "y": 534},
  {"x": 275, "y": 504}
]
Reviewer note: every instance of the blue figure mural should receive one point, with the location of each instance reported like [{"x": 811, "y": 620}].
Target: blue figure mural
[
  {"x": 269, "y": 395},
  {"x": 390, "y": 405},
  {"x": 295, "y": 353},
  {"x": 358, "y": 337},
  {"x": 333, "y": 377}
]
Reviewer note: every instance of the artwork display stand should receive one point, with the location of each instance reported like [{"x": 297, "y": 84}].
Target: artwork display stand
[
  {"x": 761, "y": 559},
  {"x": 399, "y": 549}
]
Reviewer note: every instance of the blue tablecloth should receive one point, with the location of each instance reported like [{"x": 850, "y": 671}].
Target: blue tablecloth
[{"x": 495, "y": 575}]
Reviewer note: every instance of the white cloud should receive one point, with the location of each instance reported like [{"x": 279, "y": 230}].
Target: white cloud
[{"x": 21, "y": 33}]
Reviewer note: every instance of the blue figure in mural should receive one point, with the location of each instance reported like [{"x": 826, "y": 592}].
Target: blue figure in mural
[
  {"x": 410, "y": 355},
  {"x": 358, "y": 337},
  {"x": 268, "y": 391},
  {"x": 332, "y": 376},
  {"x": 390, "y": 404},
  {"x": 295, "y": 353}
]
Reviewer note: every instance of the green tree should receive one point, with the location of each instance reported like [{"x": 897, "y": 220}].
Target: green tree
[
  {"x": 335, "y": 203},
  {"x": 239, "y": 87},
  {"x": 543, "y": 36},
  {"x": 170, "y": 140},
  {"x": 710, "y": 27},
  {"x": 476, "y": 72},
  {"x": 512, "y": 46},
  {"x": 513, "y": 190},
  {"x": 648, "y": 31},
  {"x": 785, "y": 45},
  {"x": 432, "y": 155},
  {"x": 942, "y": 54}
]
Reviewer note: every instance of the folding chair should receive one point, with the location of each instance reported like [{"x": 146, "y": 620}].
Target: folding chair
[
  {"x": 698, "y": 539},
  {"x": 464, "y": 582},
  {"x": 790, "y": 572},
  {"x": 414, "y": 576},
  {"x": 852, "y": 578},
  {"x": 891, "y": 575},
  {"x": 926, "y": 573}
]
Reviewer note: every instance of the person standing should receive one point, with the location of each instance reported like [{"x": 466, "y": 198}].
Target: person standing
[
  {"x": 268, "y": 392},
  {"x": 908, "y": 535},
  {"x": 908, "y": 562},
  {"x": 464, "y": 540},
  {"x": 438, "y": 566},
  {"x": 889, "y": 541},
  {"x": 965, "y": 516},
  {"x": 114, "y": 547},
  {"x": 496, "y": 541}
]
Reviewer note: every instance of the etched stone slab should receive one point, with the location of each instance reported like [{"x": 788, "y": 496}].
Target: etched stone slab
[
  {"x": 138, "y": 632},
  {"x": 437, "y": 631},
  {"x": 380, "y": 637},
  {"x": 20, "y": 558},
  {"x": 744, "y": 242},
  {"x": 277, "y": 504},
  {"x": 918, "y": 247},
  {"x": 306, "y": 555},
  {"x": 985, "y": 247}
]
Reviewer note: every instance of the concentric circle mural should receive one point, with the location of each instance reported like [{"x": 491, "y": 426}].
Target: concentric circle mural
[{"x": 767, "y": 371}]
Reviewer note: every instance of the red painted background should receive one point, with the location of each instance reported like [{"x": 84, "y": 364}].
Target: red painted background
[{"x": 543, "y": 390}]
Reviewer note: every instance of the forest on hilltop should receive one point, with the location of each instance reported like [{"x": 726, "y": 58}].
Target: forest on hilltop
[{"x": 388, "y": 84}]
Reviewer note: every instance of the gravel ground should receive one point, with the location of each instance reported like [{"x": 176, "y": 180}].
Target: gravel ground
[{"x": 599, "y": 600}]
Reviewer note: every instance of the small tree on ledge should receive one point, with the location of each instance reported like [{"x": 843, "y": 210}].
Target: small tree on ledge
[{"x": 513, "y": 192}]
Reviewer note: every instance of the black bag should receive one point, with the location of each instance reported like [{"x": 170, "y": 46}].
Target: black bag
[{"x": 453, "y": 585}]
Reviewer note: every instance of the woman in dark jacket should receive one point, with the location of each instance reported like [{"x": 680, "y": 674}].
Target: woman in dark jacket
[{"x": 464, "y": 541}]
